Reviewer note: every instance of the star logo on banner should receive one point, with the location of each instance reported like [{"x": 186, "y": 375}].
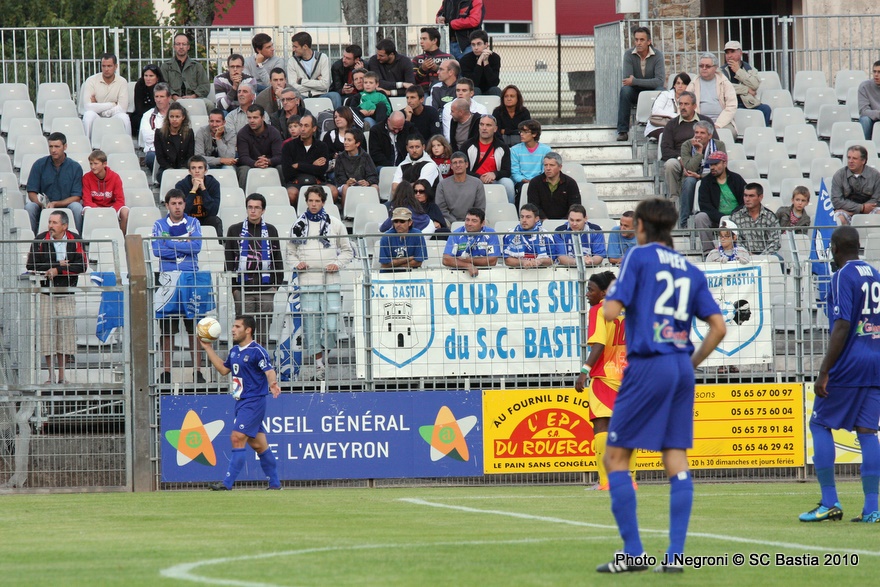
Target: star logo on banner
[
  {"x": 193, "y": 440},
  {"x": 447, "y": 435}
]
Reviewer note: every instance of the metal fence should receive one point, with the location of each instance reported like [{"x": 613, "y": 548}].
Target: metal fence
[
  {"x": 555, "y": 73},
  {"x": 784, "y": 44}
]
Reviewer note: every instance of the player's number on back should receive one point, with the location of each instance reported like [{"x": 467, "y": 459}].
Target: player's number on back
[
  {"x": 682, "y": 286},
  {"x": 871, "y": 293}
]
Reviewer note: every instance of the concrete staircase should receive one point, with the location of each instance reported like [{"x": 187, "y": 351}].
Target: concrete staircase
[{"x": 614, "y": 168}]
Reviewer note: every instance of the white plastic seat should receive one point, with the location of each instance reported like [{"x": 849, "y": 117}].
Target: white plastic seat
[
  {"x": 776, "y": 99},
  {"x": 574, "y": 171},
  {"x": 368, "y": 212},
  {"x": 94, "y": 218},
  {"x": 233, "y": 197},
  {"x": 133, "y": 178},
  {"x": 495, "y": 193},
  {"x": 783, "y": 117},
  {"x": 769, "y": 81},
  {"x": 807, "y": 151},
  {"x": 27, "y": 163},
  {"x": 21, "y": 127},
  {"x": 143, "y": 217},
  {"x": 781, "y": 170},
  {"x": 386, "y": 174},
  {"x": 51, "y": 91},
  {"x": 807, "y": 79},
  {"x": 787, "y": 188},
  {"x": 225, "y": 177},
  {"x": 398, "y": 102},
  {"x": 5, "y": 163},
  {"x": 230, "y": 216},
  {"x": 865, "y": 224},
  {"x": 745, "y": 168},
  {"x": 754, "y": 135},
  {"x": 194, "y": 106},
  {"x": 14, "y": 196},
  {"x": 846, "y": 79},
  {"x": 828, "y": 116},
  {"x": 276, "y": 196},
  {"x": 317, "y": 105},
  {"x": 282, "y": 219},
  {"x": 768, "y": 154},
  {"x": 795, "y": 134},
  {"x": 107, "y": 126},
  {"x": 139, "y": 197},
  {"x": 69, "y": 126},
  {"x": 256, "y": 178},
  {"x": 120, "y": 161},
  {"x": 30, "y": 145},
  {"x": 131, "y": 105},
  {"x": 815, "y": 99},
  {"x": 870, "y": 147},
  {"x": 644, "y": 105},
  {"x": 170, "y": 177},
  {"x": 115, "y": 144},
  {"x": 356, "y": 195},
  {"x": 735, "y": 152},
  {"x": 745, "y": 119},
  {"x": 13, "y": 109},
  {"x": 101, "y": 247},
  {"x": 852, "y": 103},
  {"x": 503, "y": 227},
  {"x": 841, "y": 132},
  {"x": 501, "y": 212},
  {"x": 823, "y": 167},
  {"x": 595, "y": 209},
  {"x": 489, "y": 101},
  {"x": 13, "y": 91},
  {"x": 54, "y": 109}
]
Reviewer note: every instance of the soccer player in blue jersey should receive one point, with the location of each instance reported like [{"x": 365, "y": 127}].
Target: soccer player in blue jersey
[
  {"x": 253, "y": 378},
  {"x": 654, "y": 410},
  {"x": 848, "y": 386}
]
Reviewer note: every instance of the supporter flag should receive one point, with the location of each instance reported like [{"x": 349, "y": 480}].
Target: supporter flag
[
  {"x": 111, "y": 308},
  {"x": 288, "y": 353},
  {"x": 820, "y": 250}
]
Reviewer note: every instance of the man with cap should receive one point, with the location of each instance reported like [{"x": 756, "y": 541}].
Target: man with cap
[
  {"x": 403, "y": 246},
  {"x": 745, "y": 80},
  {"x": 721, "y": 192}
]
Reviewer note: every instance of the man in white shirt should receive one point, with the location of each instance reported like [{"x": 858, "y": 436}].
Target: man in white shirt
[
  {"x": 152, "y": 121},
  {"x": 464, "y": 88},
  {"x": 105, "y": 95},
  {"x": 308, "y": 70}
]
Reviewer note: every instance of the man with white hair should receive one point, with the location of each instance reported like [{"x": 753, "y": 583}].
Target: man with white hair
[
  {"x": 105, "y": 95},
  {"x": 716, "y": 97},
  {"x": 237, "y": 119}
]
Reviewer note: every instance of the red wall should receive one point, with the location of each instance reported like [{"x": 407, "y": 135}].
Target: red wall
[
  {"x": 578, "y": 17},
  {"x": 502, "y": 10},
  {"x": 241, "y": 14}
]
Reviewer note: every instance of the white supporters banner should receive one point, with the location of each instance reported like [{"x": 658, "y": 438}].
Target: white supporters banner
[
  {"x": 743, "y": 293},
  {"x": 436, "y": 322}
]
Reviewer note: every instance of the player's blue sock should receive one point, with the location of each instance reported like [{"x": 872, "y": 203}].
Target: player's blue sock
[
  {"x": 823, "y": 460},
  {"x": 269, "y": 465},
  {"x": 870, "y": 470},
  {"x": 236, "y": 464},
  {"x": 681, "y": 498},
  {"x": 623, "y": 506}
]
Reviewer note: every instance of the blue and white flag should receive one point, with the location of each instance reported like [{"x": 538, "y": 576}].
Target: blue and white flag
[
  {"x": 110, "y": 312},
  {"x": 184, "y": 293},
  {"x": 288, "y": 353},
  {"x": 820, "y": 249}
]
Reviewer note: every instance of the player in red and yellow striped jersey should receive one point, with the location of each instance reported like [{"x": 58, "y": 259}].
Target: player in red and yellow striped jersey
[{"x": 603, "y": 370}]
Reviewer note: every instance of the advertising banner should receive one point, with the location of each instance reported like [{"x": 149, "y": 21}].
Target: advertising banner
[
  {"x": 437, "y": 322},
  {"x": 735, "y": 426},
  {"x": 330, "y": 436}
]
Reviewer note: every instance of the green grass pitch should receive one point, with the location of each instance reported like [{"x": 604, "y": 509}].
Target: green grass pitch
[{"x": 505, "y": 536}]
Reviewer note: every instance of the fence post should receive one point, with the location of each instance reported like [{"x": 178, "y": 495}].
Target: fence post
[
  {"x": 559, "y": 76},
  {"x": 139, "y": 386},
  {"x": 785, "y": 22}
]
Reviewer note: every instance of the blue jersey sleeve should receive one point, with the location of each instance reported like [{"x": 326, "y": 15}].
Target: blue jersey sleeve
[
  {"x": 597, "y": 244},
  {"x": 385, "y": 250},
  {"x": 842, "y": 287}
]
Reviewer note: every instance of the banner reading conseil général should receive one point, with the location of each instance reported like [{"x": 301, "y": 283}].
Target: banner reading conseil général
[{"x": 330, "y": 436}]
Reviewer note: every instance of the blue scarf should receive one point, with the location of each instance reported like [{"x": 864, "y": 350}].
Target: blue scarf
[
  {"x": 300, "y": 229},
  {"x": 732, "y": 255},
  {"x": 263, "y": 259}
]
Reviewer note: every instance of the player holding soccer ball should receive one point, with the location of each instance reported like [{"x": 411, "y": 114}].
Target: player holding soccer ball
[
  {"x": 253, "y": 378},
  {"x": 654, "y": 409},
  {"x": 848, "y": 386}
]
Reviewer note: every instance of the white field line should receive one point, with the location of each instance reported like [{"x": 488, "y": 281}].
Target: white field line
[
  {"x": 185, "y": 571},
  {"x": 722, "y": 537}
]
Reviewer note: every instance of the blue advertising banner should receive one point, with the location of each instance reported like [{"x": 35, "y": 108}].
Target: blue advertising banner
[{"x": 330, "y": 436}]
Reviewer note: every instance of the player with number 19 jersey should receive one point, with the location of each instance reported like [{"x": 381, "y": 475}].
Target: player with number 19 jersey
[
  {"x": 854, "y": 296},
  {"x": 662, "y": 293}
]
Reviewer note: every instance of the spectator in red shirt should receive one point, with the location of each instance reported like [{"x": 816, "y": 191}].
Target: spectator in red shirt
[{"x": 102, "y": 188}]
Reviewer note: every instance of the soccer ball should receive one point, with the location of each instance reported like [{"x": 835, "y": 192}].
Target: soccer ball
[{"x": 208, "y": 329}]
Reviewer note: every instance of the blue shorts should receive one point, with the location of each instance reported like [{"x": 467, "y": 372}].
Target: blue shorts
[
  {"x": 654, "y": 409},
  {"x": 249, "y": 416},
  {"x": 848, "y": 407}
]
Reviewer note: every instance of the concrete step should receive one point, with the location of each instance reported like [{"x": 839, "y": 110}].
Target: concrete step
[
  {"x": 562, "y": 134},
  {"x": 634, "y": 188},
  {"x": 622, "y": 169},
  {"x": 608, "y": 151},
  {"x": 619, "y": 203}
]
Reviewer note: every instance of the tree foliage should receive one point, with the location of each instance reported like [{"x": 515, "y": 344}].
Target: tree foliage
[{"x": 71, "y": 13}]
